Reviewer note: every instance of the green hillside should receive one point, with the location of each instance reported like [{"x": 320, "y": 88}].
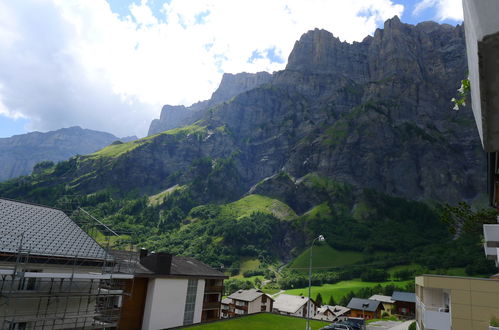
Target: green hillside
[
  {"x": 324, "y": 257},
  {"x": 257, "y": 203}
]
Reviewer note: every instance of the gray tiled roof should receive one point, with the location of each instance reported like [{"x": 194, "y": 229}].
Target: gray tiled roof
[
  {"x": 404, "y": 296},
  {"x": 367, "y": 305},
  {"x": 44, "y": 231},
  {"x": 246, "y": 295}
]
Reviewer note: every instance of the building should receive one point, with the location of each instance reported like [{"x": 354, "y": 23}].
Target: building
[
  {"x": 169, "y": 291},
  {"x": 331, "y": 313},
  {"x": 386, "y": 301},
  {"x": 405, "y": 303},
  {"x": 287, "y": 304},
  {"x": 52, "y": 274},
  {"x": 457, "y": 303},
  {"x": 243, "y": 302},
  {"x": 365, "y": 308}
]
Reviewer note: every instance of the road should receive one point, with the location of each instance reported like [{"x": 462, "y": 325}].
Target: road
[{"x": 389, "y": 325}]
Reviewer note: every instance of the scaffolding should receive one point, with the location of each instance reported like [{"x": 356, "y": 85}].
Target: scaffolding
[{"x": 62, "y": 292}]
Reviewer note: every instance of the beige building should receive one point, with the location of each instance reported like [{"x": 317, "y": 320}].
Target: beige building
[
  {"x": 245, "y": 302},
  {"x": 294, "y": 305},
  {"x": 387, "y": 302},
  {"x": 457, "y": 303}
]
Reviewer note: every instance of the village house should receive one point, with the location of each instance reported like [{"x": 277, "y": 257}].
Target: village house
[
  {"x": 365, "y": 308},
  {"x": 331, "y": 313},
  {"x": 169, "y": 291},
  {"x": 387, "y": 302},
  {"x": 405, "y": 303},
  {"x": 243, "y": 302},
  {"x": 294, "y": 305}
]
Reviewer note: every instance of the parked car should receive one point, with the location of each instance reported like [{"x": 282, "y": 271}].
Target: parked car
[{"x": 336, "y": 326}]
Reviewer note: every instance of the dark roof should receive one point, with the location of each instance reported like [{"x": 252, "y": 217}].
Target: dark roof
[
  {"x": 367, "y": 305},
  {"x": 128, "y": 262},
  {"x": 44, "y": 231},
  {"x": 404, "y": 296}
]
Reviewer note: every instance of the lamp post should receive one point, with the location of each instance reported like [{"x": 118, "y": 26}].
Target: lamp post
[{"x": 320, "y": 238}]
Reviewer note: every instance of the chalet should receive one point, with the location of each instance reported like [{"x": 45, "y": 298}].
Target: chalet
[
  {"x": 169, "y": 291},
  {"x": 53, "y": 275},
  {"x": 365, "y": 308},
  {"x": 405, "y": 303},
  {"x": 294, "y": 305},
  {"x": 244, "y": 302},
  {"x": 331, "y": 313},
  {"x": 386, "y": 301}
]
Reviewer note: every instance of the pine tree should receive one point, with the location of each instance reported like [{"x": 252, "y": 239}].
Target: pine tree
[
  {"x": 318, "y": 299},
  {"x": 331, "y": 301}
]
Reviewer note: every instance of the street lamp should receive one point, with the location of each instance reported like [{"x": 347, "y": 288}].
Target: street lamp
[{"x": 320, "y": 238}]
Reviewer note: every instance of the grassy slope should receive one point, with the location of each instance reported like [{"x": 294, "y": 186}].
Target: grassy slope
[
  {"x": 257, "y": 203},
  {"x": 340, "y": 289},
  {"x": 262, "y": 321},
  {"x": 116, "y": 150},
  {"x": 325, "y": 256}
]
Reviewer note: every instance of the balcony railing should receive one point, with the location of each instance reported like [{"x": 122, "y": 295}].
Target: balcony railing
[
  {"x": 211, "y": 305},
  {"x": 435, "y": 317},
  {"x": 491, "y": 235}
]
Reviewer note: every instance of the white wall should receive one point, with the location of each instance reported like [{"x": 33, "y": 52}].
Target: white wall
[{"x": 165, "y": 303}]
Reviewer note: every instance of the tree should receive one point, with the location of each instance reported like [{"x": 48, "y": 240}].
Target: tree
[
  {"x": 258, "y": 282},
  {"x": 318, "y": 299},
  {"x": 331, "y": 301}
]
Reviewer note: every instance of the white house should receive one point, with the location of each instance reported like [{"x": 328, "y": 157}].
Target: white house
[
  {"x": 294, "y": 305},
  {"x": 243, "y": 302},
  {"x": 331, "y": 313}
]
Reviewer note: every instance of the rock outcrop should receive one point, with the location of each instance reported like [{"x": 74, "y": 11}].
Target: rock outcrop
[{"x": 230, "y": 86}]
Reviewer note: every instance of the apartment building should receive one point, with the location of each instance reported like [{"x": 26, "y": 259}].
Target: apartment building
[
  {"x": 457, "y": 303},
  {"x": 169, "y": 291},
  {"x": 243, "y": 302},
  {"x": 52, "y": 274}
]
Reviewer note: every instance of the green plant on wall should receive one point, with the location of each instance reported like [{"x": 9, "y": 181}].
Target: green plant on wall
[{"x": 462, "y": 94}]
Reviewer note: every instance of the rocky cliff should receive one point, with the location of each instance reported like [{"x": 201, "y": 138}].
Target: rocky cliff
[
  {"x": 19, "y": 153},
  {"x": 230, "y": 86},
  {"x": 374, "y": 114}
]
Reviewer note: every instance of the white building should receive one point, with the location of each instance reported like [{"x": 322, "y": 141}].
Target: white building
[
  {"x": 331, "y": 313},
  {"x": 52, "y": 274},
  {"x": 169, "y": 291},
  {"x": 294, "y": 305},
  {"x": 243, "y": 302}
]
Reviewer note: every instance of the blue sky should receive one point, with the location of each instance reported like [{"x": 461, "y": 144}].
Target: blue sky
[{"x": 111, "y": 65}]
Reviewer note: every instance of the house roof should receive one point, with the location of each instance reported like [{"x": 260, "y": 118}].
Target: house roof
[
  {"x": 247, "y": 295},
  {"x": 336, "y": 310},
  {"x": 404, "y": 296},
  {"x": 367, "y": 305},
  {"x": 385, "y": 299},
  {"x": 128, "y": 262},
  {"x": 289, "y": 303},
  {"x": 226, "y": 301},
  {"x": 44, "y": 231}
]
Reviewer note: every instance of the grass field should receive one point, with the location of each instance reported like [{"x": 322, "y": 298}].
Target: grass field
[
  {"x": 257, "y": 203},
  {"x": 261, "y": 321},
  {"x": 324, "y": 256},
  {"x": 340, "y": 289}
]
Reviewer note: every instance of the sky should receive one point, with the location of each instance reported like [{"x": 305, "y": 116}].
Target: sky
[{"x": 111, "y": 65}]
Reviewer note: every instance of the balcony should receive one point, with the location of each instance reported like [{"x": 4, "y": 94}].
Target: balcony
[
  {"x": 213, "y": 288},
  {"x": 491, "y": 245},
  {"x": 211, "y": 305},
  {"x": 435, "y": 317}
]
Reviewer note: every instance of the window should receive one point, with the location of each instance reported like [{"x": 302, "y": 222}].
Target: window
[
  {"x": 190, "y": 301},
  {"x": 264, "y": 299},
  {"x": 18, "y": 326}
]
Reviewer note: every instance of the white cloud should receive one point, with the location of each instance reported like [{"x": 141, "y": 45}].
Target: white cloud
[
  {"x": 445, "y": 9},
  {"x": 75, "y": 62}
]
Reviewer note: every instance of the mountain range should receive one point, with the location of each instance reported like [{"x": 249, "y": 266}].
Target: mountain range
[{"x": 357, "y": 141}]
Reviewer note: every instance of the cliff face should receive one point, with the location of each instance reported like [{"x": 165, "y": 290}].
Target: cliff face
[
  {"x": 230, "y": 86},
  {"x": 375, "y": 114},
  {"x": 19, "y": 153}
]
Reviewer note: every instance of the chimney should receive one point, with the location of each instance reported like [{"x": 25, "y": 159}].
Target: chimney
[
  {"x": 160, "y": 263},
  {"x": 143, "y": 253}
]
